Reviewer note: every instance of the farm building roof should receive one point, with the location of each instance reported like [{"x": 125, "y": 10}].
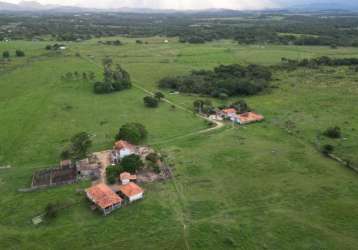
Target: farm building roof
[
  {"x": 229, "y": 111},
  {"x": 123, "y": 144},
  {"x": 131, "y": 189},
  {"x": 103, "y": 196},
  {"x": 127, "y": 176},
  {"x": 250, "y": 117}
]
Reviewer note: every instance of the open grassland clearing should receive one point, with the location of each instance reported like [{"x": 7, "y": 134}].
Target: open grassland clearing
[{"x": 259, "y": 186}]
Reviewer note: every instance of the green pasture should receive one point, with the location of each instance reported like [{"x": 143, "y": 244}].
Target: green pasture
[{"x": 262, "y": 186}]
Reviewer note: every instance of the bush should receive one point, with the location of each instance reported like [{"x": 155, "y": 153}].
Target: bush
[
  {"x": 159, "y": 95},
  {"x": 112, "y": 173},
  {"x": 132, "y": 132},
  {"x": 152, "y": 157},
  {"x": 20, "y": 53},
  {"x": 6, "y": 54},
  {"x": 150, "y": 102},
  {"x": 131, "y": 163},
  {"x": 334, "y": 132},
  {"x": 51, "y": 211},
  {"x": 327, "y": 149}
]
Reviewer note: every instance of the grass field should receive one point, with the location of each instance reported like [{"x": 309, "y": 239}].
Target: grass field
[{"x": 263, "y": 186}]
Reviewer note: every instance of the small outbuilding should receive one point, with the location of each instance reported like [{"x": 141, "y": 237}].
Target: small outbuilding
[
  {"x": 126, "y": 177},
  {"x": 104, "y": 198},
  {"x": 131, "y": 191},
  {"x": 250, "y": 117}
]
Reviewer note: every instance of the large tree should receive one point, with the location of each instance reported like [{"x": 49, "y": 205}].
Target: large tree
[
  {"x": 132, "y": 132},
  {"x": 131, "y": 163},
  {"x": 80, "y": 144}
]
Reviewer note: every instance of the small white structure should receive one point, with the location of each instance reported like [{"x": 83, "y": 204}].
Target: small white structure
[
  {"x": 126, "y": 177},
  {"x": 132, "y": 192},
  {"x": 166, "y": 41},
  {"x": 62, "y": 48}
]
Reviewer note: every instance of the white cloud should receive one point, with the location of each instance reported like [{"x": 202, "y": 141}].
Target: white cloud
[{"x": 166, "y": 4}]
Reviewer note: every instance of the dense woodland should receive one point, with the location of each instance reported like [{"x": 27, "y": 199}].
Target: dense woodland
[
  {"x": 222, "y": 82},
  {"x": 246, "y": 28}
]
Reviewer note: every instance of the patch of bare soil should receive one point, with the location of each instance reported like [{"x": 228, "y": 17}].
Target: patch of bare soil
[{"x": 148, "y": 175}]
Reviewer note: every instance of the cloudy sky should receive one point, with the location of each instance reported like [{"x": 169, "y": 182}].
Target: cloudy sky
[{"x": 174, "y": 4}]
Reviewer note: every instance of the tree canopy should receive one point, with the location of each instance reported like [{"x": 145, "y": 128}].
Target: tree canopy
[
  {"x": 132, "y": 132},
  {"x": 230, "y": 80}
]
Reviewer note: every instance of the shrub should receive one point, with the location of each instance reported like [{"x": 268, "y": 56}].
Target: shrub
[
  {"x": 327, "y": 149},
  {"x": 152, "y": 157},
  {"x": 112, "y": 173},
  {"x": 131, "y": 163},
  {"x": 334, "y": 132},
  {"x": 6, "y": 54},
  {"x": 19, "y": 53},
  {"x": 51, "y": 211},
  {"x": 132, "y": 132},
  {"x": 150, "y": 102},
  {"x": 159, "y": 95}
]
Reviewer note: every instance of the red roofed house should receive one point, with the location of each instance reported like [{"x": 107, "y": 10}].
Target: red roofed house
[
  {"x": 126, "y": 177},
  {"x": 104, "y": 198},
  {"x": 131, "y": 192},
  {"x": 123, "y": 149},
  {"x": 250, "y": 117}
]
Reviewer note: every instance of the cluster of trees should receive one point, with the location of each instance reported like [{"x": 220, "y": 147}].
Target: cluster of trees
[
  {"x": 19, "y": 53},
  {"x": 153, "y": 101},
  {"x": 206, "y": 106},
  {"x": 114, "y": 79},
  {"x": 132, "y": 132},
  {"x": 113, "y": 43},
  {"x": 319, "y": 61},
  {"x": 222, "y": 82},
  {"x": 79, "y": 146},
  {"x": 71, "y": 76}
]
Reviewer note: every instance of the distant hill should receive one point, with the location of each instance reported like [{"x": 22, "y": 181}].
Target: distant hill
[{"x": 331, "y": 5}]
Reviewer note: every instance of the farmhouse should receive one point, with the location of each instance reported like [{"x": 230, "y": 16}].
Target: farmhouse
[
  {"x": 131, "y": 191},
  {"x": 126, "y": 177},
  {"x": 104, "y": 198},
  {"x": 122, "y": 149}
]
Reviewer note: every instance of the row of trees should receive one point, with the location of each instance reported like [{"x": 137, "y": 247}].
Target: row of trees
[
  {"x": 224, "y": 81},
  {"x": 19, "y": 53},
  {"x": 113, "y": 79},
  {"x": 70, "y": 76},
  {"x": 319, "y": 61}
]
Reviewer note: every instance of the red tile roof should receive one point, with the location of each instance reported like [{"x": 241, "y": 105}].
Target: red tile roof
[
  {"x": 127, "y": 176},
  {"x": 229, "y": 111},
  {"x": 123, "y": 144},
  {"x": 103, "y": 196},
  {"x": 131, "y": 189},
  {"x": 250, "y": 117}
]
